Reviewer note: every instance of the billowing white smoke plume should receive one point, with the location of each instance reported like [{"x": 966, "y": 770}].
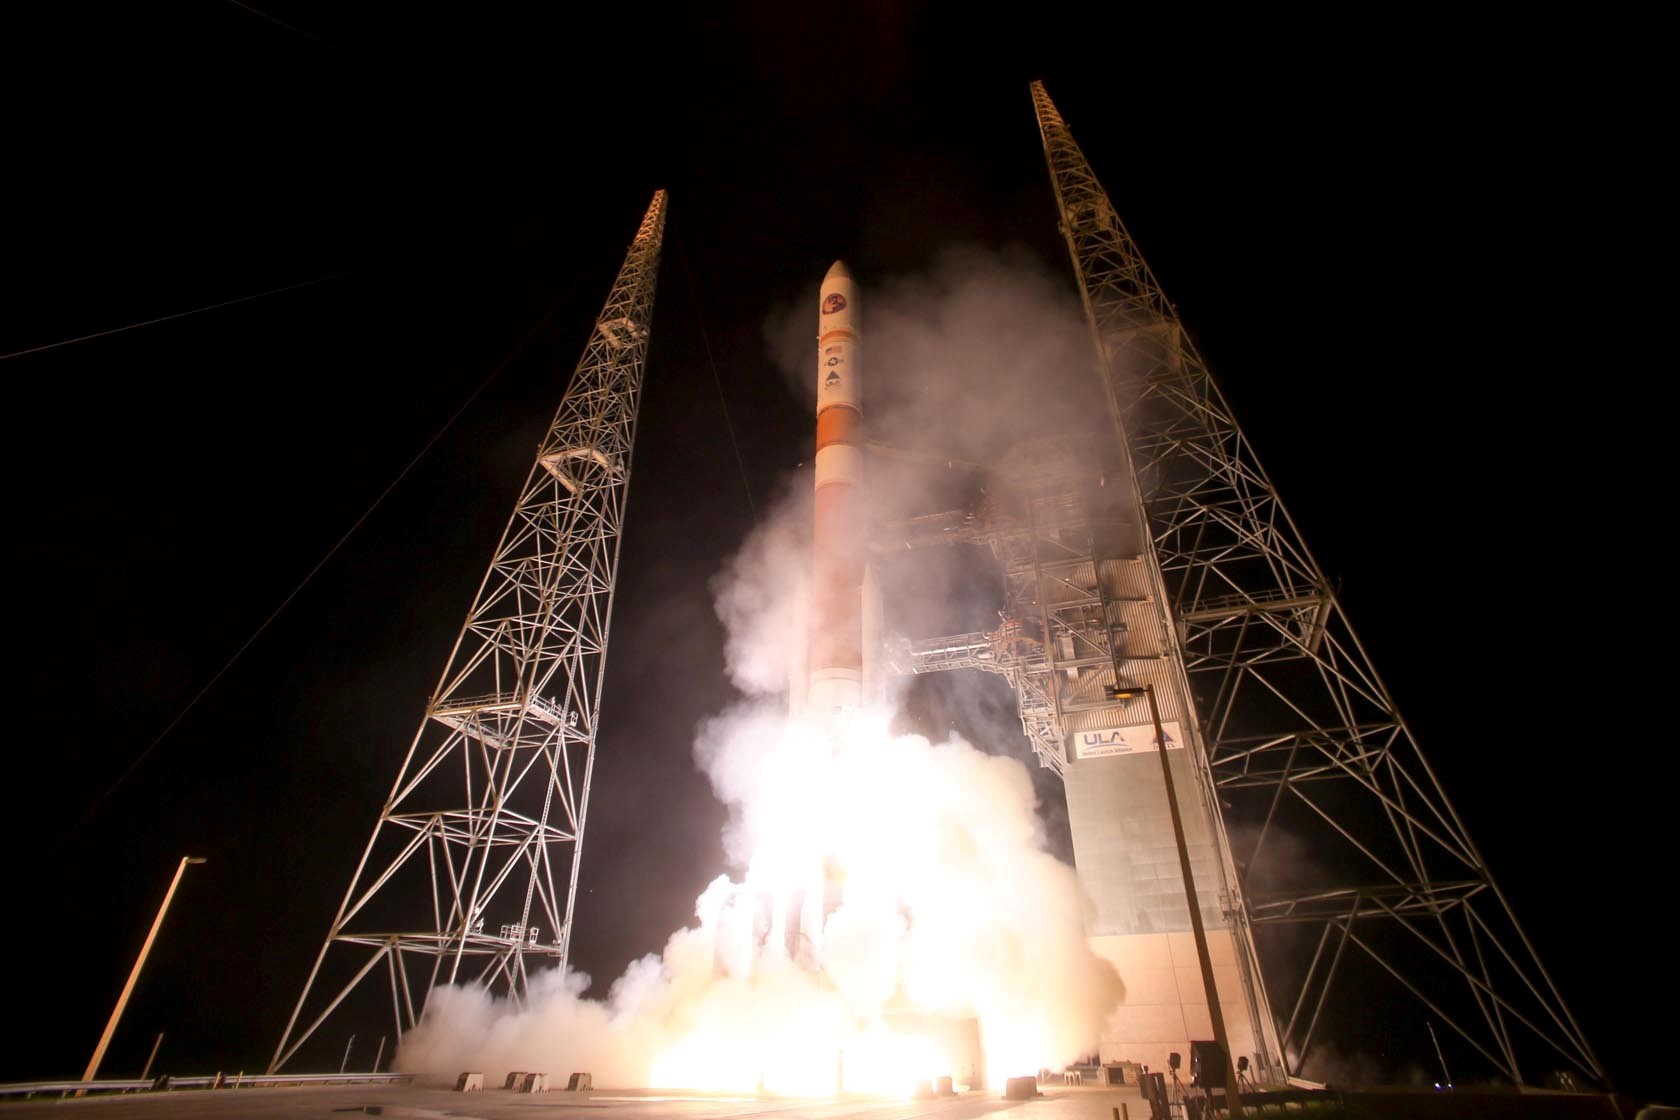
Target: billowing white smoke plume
[{"x": 880, "y": 881}]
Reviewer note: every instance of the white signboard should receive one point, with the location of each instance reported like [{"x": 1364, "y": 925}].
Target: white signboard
[{"x": 1134, "y": 739}]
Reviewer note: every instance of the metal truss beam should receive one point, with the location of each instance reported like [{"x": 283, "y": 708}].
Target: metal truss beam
[
  {"x": 1301, "y": 736},
  {"x": 481, "y": 837}
]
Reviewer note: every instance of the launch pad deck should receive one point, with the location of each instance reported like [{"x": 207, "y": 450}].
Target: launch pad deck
[
  {"x": 403, "y": 1102},
  {"x": 408, "y": 1102}
]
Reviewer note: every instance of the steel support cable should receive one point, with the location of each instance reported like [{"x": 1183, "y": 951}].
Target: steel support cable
[
  {"x": 328, "y": 43},
  {"x": 224, "y": 303},
  {"x": 729, "y": 424},
  {"x": 177, "y": 315},
  {"x": 507, "y": 360}
]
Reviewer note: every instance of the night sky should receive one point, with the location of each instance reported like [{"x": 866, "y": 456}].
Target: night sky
[{"x": 1391, "y": 247}]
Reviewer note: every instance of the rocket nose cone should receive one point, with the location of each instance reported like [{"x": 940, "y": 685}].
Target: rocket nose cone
[{"x": 837, "y": 271}]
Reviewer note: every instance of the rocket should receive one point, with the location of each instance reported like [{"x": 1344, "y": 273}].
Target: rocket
[
  {"x": 835, "y": 655},
  {"x": 834, "y": 668}
]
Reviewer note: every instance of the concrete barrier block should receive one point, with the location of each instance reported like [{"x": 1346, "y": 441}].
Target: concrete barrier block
[{"x": 1020, "y": 1088}]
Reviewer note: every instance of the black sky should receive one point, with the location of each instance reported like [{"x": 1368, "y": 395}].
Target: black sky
[{"x": 1390, "y": 243}]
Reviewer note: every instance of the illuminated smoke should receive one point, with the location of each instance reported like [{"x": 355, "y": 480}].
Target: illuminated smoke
[{"x": 887, "y": 889}]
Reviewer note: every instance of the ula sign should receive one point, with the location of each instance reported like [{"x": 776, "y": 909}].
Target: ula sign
[{"x": 1138, "y": 738}]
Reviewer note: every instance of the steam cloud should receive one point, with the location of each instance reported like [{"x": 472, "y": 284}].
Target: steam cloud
[{"x": 887, "y": 875}]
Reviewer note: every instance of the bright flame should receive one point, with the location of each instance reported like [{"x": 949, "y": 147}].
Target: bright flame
[
  {"x": 894, "y": 1065},
  {"x": 896, "y": 917},
  {"x": 898, "y": 921}
]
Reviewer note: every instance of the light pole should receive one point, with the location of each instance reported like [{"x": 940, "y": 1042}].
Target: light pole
[
  {"x": 1232, "y": 1098},
  {"x": 152, "y": 1057},
  {"x": 134, "y": 975}
]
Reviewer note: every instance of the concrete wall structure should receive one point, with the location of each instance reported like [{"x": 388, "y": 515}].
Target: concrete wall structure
[
  {"x": 1085, "y": 625},
  {"x": 1165, "y": 1006}
]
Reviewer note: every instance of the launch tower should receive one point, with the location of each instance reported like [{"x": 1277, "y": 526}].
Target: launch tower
[
  {"x": 1285, "y": 726},
  {"x": 1159, "y": 557},
  {"x": 1082, "y": 626},
  {"x": 483, "y": 829}
]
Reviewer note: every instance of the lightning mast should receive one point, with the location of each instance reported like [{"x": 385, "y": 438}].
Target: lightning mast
[
  {"x": 1297, "y": 733},
  {"x": 482, "y": 834}
]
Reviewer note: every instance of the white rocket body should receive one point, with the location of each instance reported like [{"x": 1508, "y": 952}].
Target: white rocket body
[{"x": 835, "y": 660}]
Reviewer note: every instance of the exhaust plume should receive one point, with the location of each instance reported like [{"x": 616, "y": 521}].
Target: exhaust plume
[{"x": 882, "y": 886}]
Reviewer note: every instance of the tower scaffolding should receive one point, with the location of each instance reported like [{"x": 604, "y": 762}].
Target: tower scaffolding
[
  {"x": 1296, "y": 733},
  {"x": 1083, "y": 634},
  {"x": 486, "y": 816}
]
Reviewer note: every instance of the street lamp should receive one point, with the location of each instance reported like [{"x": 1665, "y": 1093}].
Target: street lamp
[
  {"x": 1232, "y": 1098},
  {"x": 134, "y": 975}
]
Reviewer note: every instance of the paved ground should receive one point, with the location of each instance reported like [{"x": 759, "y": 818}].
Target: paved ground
[{"x": 413, "y": 1103}]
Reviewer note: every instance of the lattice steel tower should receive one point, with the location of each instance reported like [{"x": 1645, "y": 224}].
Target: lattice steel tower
[
  {"x": 459, "y": 881},
  {"x": 1293, "y": 731}
]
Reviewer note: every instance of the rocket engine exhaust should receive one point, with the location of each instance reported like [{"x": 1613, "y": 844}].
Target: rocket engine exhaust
[{"x": 895, "y": 915}]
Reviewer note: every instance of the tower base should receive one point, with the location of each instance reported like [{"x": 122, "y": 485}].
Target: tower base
[{"x": 1165, "y": 1008}]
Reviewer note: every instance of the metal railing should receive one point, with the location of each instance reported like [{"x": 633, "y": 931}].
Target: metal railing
[{"x": 209, "y": 1081}]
